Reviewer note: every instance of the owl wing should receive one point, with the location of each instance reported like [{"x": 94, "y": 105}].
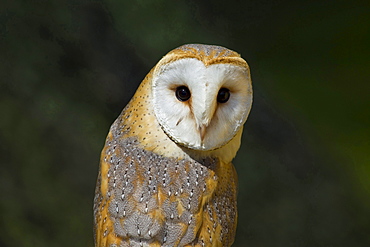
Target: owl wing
[{"x": 146, "y": 199}]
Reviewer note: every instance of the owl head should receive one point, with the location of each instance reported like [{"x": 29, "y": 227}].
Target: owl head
[{"x": 202, "y": 95}]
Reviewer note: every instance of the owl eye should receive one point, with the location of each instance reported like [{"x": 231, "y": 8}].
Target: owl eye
[
  {"x": 183, "y": 93},
  {"x": 223, "y": 95}
]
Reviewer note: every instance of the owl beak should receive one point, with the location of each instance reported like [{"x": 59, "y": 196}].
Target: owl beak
[
  {"x": 202, "y": 132},
  {"x": 205, "y": 122}
]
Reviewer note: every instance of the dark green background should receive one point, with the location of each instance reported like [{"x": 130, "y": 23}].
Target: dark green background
[{"x": 67, "y": 69}]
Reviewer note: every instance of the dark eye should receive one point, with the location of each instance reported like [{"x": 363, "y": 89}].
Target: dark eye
[
  {"x": 223, "y": 95},
  {"x": 182, "y": 93}
]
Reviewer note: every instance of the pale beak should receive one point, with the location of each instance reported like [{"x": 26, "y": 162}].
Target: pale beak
[{"x": 202, "y": 132}]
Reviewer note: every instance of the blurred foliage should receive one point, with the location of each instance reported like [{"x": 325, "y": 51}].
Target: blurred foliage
[{"x": 69, "y": 67}]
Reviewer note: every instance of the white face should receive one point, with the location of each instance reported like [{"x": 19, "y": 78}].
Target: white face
[{"x": 201, "y": 107}]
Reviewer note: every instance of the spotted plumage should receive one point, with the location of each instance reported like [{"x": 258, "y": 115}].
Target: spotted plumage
[{"x": 166, "y": 177}]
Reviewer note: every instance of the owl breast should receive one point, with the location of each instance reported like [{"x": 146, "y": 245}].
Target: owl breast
[{"x": 146, "y": 199}]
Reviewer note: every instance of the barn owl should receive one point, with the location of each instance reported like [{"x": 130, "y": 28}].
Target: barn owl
[{"x": 166, "y": 177}]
